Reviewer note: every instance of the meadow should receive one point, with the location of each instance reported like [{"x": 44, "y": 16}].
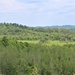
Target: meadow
[{"x": 48, "y": 43}]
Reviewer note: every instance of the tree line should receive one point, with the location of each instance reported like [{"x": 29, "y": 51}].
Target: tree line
[{"x": 23, "y": 32}]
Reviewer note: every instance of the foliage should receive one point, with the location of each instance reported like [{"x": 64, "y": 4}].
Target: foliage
[
  {"x": 22, "y": 32},
  {"x": 36, "y": 58},
  {"x": 20, "y": 58},
  {"x": 4, "y": 41}
]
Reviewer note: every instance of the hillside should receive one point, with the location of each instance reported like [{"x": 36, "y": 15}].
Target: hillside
[
  {"x": 63, "y": 26},
  {"x": 17, "y": 58},
  {"x": 20, "y": 32},
  {"x": 24, "y": 58}
]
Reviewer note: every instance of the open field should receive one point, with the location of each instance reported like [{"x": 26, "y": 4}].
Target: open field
[
  {"x": 32, "y": 41},
  {"x": 49, "y": 42},
  {"x": 58, "y": 43}
]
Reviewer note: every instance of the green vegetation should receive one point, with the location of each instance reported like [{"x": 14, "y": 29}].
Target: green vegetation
[
  {"x": 36, "y": 51},
  {"x": 18, "y": 58},
  {"x": 20, "y": 32},
  {"x": 48, "y": 42},
  {"x": 29, "y": 41}
]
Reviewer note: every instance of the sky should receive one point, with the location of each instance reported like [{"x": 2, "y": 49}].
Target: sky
[{"x": 38, "y": 12}]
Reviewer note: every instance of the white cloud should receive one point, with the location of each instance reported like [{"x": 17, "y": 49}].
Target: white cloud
[
  {"x": 56, "y": 6},
  {"x": 40, "y": 7},
  {"x": 10, "y": 6}
]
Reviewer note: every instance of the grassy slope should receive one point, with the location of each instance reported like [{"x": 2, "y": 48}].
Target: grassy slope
[
  {"x": 49, "y": 42},
  {"x": 32, "y": 41},
  {"x": 58, "y": 43}
]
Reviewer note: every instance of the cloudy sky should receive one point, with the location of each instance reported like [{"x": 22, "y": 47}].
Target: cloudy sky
[{"x": 38, "y": 12}]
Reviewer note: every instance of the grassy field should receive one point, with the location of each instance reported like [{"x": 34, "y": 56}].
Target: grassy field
[
  {"x": 32, "y": 41},
  {"x": 58, "y": 43},
  {"x": 49, "y": 42}
]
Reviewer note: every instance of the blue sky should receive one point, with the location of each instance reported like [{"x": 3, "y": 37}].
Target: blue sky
[{"x": 38, "y": 12}]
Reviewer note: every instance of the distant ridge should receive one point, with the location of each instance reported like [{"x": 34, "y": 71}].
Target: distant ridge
[
  {"x": 57, "y": 26},
  {"x": 63, "y": 26}
]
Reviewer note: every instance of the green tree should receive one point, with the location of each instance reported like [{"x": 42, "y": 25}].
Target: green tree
[{"x": 4, "y": 41}]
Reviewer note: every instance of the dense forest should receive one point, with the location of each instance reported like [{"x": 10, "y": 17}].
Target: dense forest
[
  {"x": 23, "y": 32},
  {"x": 23, "y": 58}
]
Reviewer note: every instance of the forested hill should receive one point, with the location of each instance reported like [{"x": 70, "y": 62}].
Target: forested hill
[
  {"x": 23, "y": 32},
  {"x": 19, "y": 57},
  {"x": 71, "y": 27}
]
